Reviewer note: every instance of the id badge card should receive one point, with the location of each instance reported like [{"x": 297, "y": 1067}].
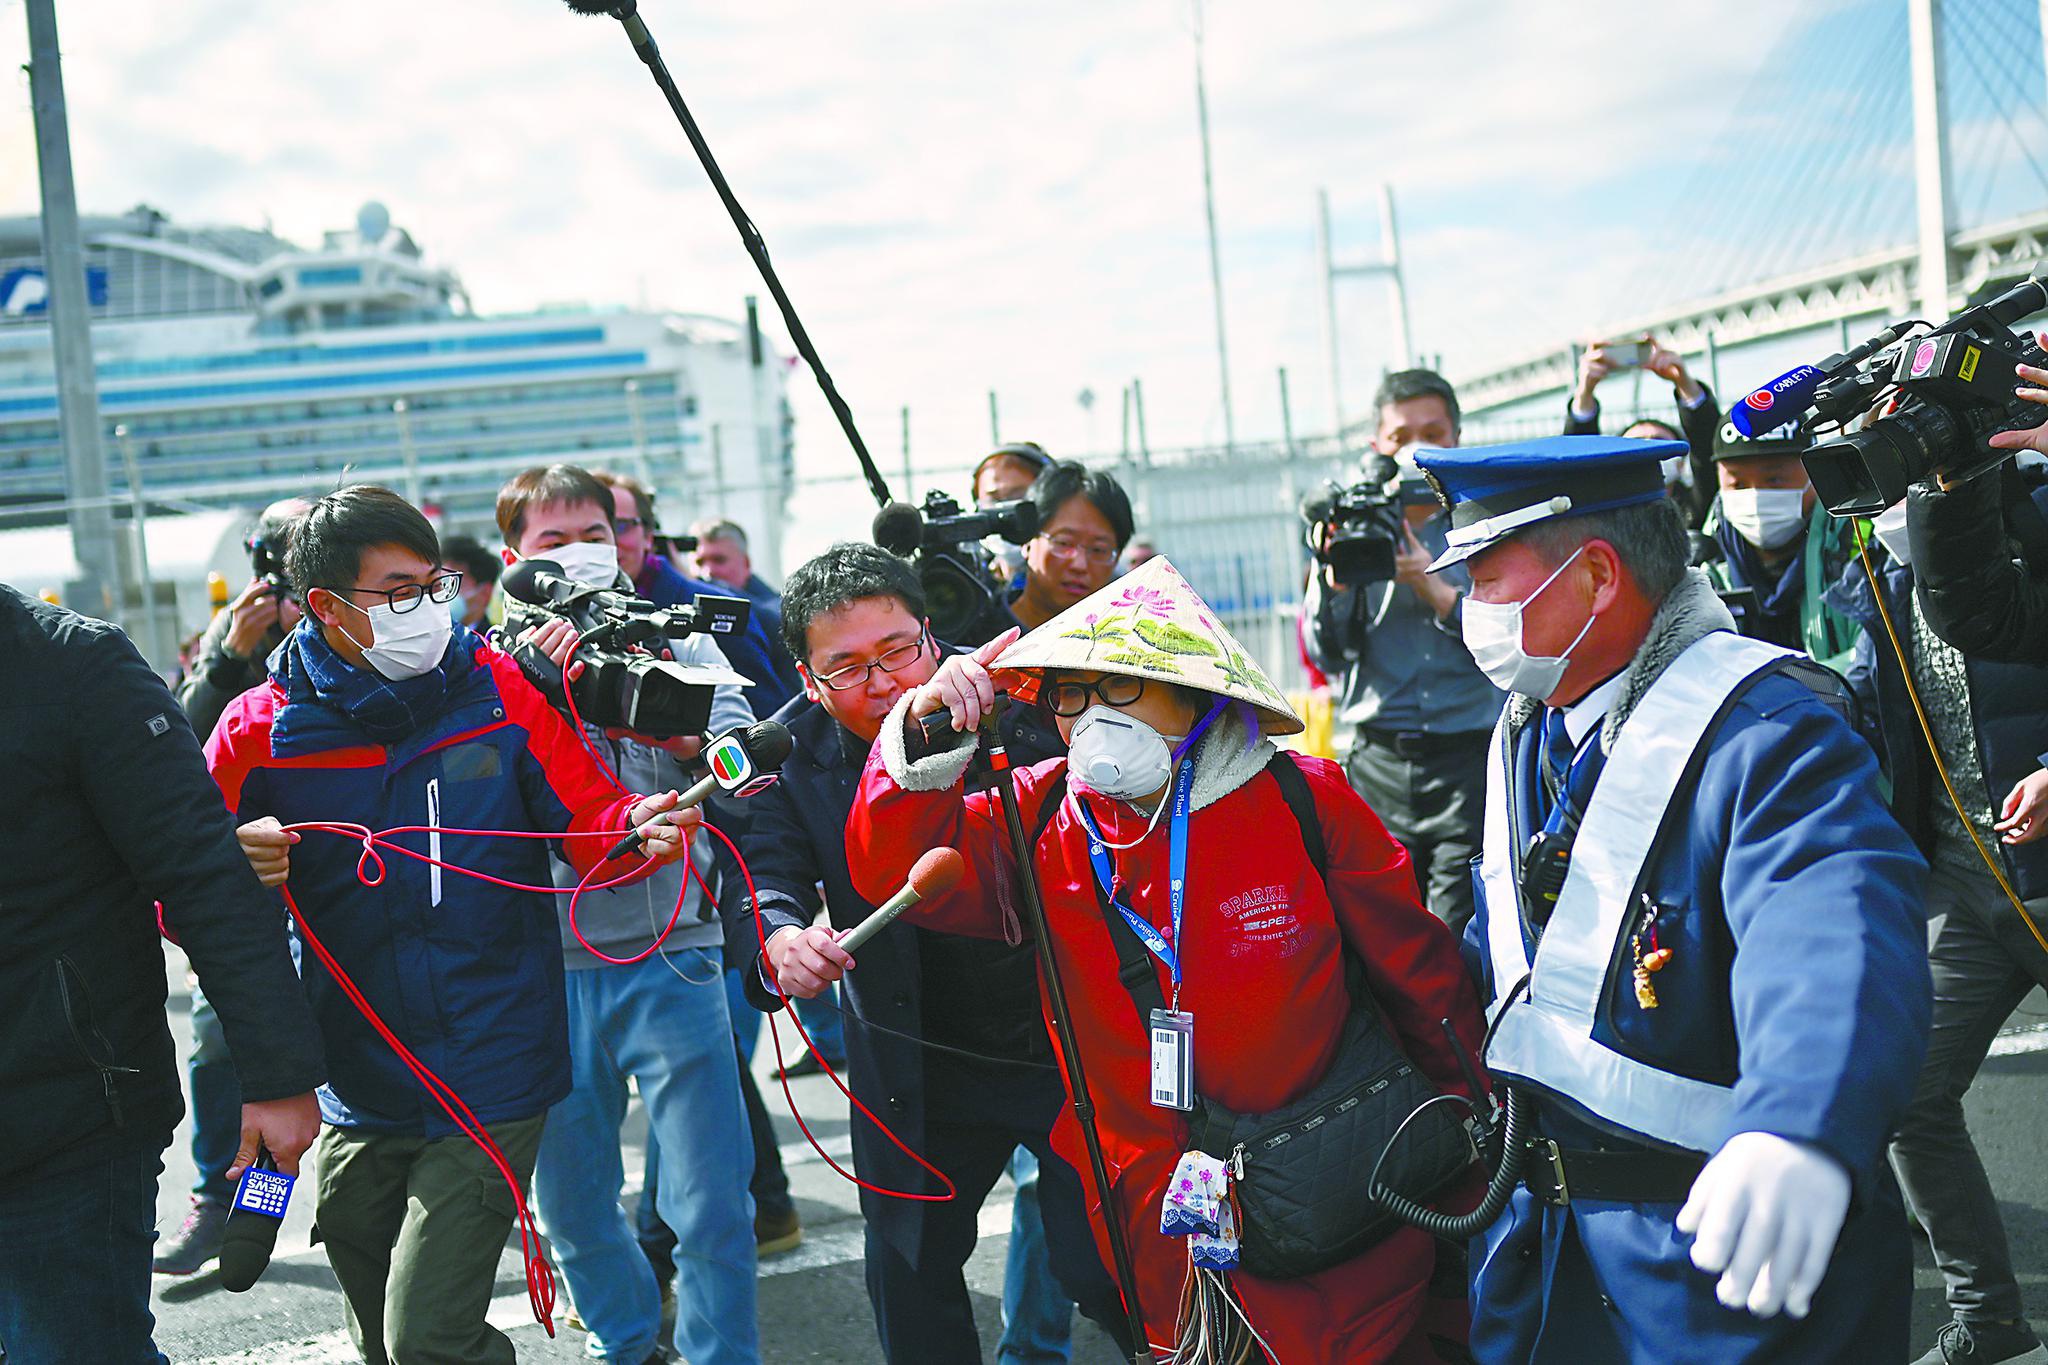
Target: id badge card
[{"x": 1173, "y": 1059}]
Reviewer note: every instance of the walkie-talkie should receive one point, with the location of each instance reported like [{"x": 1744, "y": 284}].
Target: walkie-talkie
[{"x": 1545, "y": 864}]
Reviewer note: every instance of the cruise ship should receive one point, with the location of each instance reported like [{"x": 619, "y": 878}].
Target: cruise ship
[{"x": 235, "y": 367}]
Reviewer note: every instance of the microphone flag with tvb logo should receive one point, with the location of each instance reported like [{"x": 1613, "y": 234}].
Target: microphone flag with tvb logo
[{"x": 729, "y": 761}]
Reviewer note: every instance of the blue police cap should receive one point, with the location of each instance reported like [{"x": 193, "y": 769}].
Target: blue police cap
[{"x": 1494, "y": 491}]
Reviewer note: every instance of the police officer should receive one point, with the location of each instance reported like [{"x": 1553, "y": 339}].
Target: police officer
[{"x": 1701, "y": 934}]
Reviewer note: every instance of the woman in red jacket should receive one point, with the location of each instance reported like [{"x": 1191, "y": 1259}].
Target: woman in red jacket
[{"x": 1163, "y": 710}]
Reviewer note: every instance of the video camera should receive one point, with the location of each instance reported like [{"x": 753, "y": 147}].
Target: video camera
[
  {"x": 1363, "y": 521},
  {"x": 1954, "y": 390},
  {"x": 944, "y": 543},
  {"x": 625, "y": 684}
]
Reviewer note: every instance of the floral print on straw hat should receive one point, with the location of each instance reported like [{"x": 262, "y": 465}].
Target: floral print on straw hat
[{"x": 1151, "y": 624}]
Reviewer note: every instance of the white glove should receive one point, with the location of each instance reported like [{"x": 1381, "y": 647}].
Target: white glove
[{"x": 1765, "y": 1214}]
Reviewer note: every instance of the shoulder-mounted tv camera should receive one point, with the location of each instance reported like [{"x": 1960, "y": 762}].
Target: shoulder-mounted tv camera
[
  {"x": 944, "y": 542},
  {"x": 1951, "y": 390},
  {"x": 625, "y": 682}
]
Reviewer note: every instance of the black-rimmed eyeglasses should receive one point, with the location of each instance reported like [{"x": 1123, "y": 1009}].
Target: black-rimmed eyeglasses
[
  {"x": 403, "y": 598},
  {"x": 1070, "y": 698}
]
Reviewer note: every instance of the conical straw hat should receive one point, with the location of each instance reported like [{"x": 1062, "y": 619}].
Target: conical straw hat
[{"x": 1151, "y": 624}]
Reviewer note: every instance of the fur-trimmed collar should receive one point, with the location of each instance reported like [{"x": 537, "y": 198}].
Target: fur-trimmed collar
[{"x": 1688, "y": 612}]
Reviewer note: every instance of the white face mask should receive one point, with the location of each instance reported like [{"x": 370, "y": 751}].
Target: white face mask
[
  {"x": 408, "y": 643},
  {"x": 1765, "y": 517},
  {"x": 1116, "y": 755},
  {"x": 1493, "y": 632},
  {"x": 1890, "y": 527},
  {"x": 592, "y": 563}
]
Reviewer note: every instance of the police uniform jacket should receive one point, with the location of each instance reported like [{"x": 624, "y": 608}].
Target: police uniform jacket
[{"x": 1791, "y": 902}]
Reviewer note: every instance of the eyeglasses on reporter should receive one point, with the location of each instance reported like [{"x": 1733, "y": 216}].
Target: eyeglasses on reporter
[
  {"x": 1093, "y": 552},
  {"x": 856, "y": 675},
  {"x": 443, "y": 588}
]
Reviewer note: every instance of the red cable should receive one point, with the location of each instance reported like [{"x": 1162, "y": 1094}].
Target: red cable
[
  {"x": 761, "y": 934},
  {"x": 540, "y": 1278}
]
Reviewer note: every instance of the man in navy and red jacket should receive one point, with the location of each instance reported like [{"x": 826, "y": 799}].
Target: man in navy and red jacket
[{"x": 381, "y": 712}]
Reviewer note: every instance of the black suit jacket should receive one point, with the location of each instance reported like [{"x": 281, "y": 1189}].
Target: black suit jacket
[{"x": 795, "y": 842}]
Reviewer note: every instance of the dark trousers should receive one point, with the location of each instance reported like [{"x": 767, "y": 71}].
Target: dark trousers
[
  {"x": 770, "y": 1185},
  {"x": 1431, "y": 798},
  {"x": 413, "y": 1228},
  {"x": 922, "y": 1311},
  {"x": 75, "y": 1241},
  {"x": 1984, "y": 963}
]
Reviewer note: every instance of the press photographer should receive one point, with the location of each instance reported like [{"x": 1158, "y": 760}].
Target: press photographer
[
  {"x": 1420, "y": 707},
  {"x": 1699, "y": 416},
  {"x": 660, "y": 1020},
  {"x": 241, "y": 636}
]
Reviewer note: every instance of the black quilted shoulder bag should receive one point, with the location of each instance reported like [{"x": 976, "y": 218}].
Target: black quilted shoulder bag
[{"x": 1302, "y": 1172}]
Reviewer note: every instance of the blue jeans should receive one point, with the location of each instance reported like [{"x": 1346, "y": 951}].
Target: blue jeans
[
  {"x": 664, "y": 1024},
  {"x": 75, "y": 1243},
  {"x": 1038, "y": 1317},
  {"x": 216, "y": 1103},
  {"x": 746, "y": 1020}
]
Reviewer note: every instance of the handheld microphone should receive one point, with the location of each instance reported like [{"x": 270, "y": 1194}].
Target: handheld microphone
[
  {"x": 253, "y": 1220},
  {"x": 898, "y": 528},
  {"x": 742, "y": 762},
  {"x": 936, "y": 873},
  {"x": 1784, "y": 399}
]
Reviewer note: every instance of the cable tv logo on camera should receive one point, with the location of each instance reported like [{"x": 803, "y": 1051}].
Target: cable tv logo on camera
[{"x": 1781, "y": 400}]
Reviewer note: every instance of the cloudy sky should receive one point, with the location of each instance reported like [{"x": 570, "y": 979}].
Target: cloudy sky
[{"x": 961, "y": 196}]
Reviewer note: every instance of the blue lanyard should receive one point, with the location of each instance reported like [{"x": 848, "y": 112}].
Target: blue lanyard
[{"x": 1177, "y": 865}]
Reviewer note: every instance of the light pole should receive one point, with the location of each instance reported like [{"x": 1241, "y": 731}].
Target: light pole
[
  {"x": 1215, "y": 255},
  {"x": 400, "y": 411},
  {"x": 78, "y": 404}
]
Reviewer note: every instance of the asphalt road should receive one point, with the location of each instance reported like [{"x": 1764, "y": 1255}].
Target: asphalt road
[{"x": 813, "y": 1303}]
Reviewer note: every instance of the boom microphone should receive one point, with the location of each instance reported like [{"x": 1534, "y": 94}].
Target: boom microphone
[
  {"x": 253, "y": 1220},
  {"x": 1784, "y": 399},
  {"x": 742, "y": 762},
  {"x": 899, "y": 528},
  {"x": 936, "y": 873}
]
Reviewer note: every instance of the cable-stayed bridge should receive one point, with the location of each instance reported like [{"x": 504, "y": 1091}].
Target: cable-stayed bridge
[{"x": 1899, "y": 178}]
